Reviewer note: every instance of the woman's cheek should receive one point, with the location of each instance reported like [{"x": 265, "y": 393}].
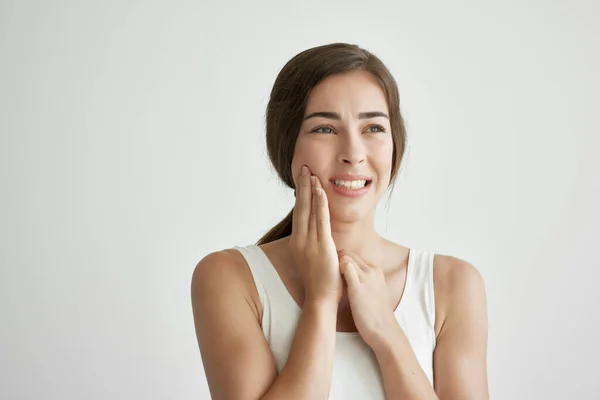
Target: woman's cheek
[
  {"x": 313, "y": 156},
  {"x": 385, "y": 152}
]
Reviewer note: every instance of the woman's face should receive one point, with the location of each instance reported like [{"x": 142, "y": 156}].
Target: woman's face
[{"x": 346, "y": 131}]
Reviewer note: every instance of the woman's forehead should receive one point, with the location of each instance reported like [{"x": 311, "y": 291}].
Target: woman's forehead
[{"x": 353, "y": 92}]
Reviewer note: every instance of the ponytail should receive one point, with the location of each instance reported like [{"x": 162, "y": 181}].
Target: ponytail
[{"x": 281, "y": 230}]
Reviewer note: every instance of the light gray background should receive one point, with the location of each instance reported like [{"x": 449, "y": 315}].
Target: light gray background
[{"x": 132, "y": 145}]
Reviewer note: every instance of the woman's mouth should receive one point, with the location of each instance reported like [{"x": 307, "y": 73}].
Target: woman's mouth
[{"x": 351, "y": 188}]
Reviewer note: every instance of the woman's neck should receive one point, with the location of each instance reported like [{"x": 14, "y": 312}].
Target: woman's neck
[{"x": 359, "y": 239}]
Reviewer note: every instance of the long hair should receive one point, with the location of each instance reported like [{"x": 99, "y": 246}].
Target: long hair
[{"x": 287, "y": 104}]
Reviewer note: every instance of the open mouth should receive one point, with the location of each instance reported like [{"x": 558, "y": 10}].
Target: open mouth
[{"x": 351, "y": 185}]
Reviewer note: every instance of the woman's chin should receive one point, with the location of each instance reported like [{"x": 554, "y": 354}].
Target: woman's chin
[{"x": 347, "y": 214}]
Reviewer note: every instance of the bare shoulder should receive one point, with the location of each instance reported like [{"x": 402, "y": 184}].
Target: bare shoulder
[
  {"x": 452, "y": 273},
  {"x": 455, "y": 281},
  {"x": 221, "y": 272},
  {"x": 216, "y": 268},
  {"x": 235, "y": 354},
  {"x": 217, "y": 262}
]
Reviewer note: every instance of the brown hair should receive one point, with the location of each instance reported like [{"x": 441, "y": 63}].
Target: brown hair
[{"x": 286, "y": 107}]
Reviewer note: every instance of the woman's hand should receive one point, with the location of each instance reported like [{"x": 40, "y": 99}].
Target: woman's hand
[
  {"x": 370, "y": 302},
  {"x": 311, "y": 243}
]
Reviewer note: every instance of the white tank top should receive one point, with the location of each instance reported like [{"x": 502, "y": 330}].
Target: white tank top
[{"x": 356, "y": 373}]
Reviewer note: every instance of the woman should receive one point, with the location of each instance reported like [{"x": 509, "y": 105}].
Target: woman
[{"x": 323, "y": 306}]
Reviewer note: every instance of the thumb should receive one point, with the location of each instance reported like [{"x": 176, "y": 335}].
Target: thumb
[{"x": 348, "y": 269}]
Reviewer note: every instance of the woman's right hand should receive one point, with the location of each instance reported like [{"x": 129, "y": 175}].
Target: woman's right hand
[{"x": 311, "y": 243}]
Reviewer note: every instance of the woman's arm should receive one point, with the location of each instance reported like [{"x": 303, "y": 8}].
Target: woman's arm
[
  {"x": 460, "y": 371},
  {"x": 237, "y": 360},
  {"x": 460, "y": 357},
  {"x": 403, "y": 377}
]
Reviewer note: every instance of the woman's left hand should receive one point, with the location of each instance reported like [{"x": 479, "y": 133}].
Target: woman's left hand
[{"x": 368, "y": 295}]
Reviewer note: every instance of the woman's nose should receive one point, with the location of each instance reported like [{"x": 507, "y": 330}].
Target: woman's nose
[{"x": 351, "y": 151}]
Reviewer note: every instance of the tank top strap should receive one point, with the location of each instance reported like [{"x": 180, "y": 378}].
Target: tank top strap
[
  {"x": 258, "y": 264},
  {"x": 278, "y": 306},
  {"x": 260, "y": 275},
  {"x": 420, "y": 280}
]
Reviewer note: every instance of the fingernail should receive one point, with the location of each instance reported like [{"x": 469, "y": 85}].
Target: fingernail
[{"x": 304, "y": 170}]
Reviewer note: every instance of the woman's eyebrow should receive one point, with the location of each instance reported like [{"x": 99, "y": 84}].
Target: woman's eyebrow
[{"x": 333, "y": 115}]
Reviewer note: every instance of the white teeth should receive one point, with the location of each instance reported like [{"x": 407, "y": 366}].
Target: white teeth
[{"x": 351, "y": 184}]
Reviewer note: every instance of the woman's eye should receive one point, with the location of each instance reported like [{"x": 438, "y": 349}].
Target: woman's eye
[
  {"x": 370, "y": 129},
  {"x": 378, "y": 128},
  {"x": 320, "y": 130}
]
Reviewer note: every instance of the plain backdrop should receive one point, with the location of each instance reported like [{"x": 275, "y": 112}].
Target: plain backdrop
[{"x": 132, "y": 145}]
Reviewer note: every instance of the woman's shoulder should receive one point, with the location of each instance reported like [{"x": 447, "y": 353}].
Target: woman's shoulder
[
  {"x": 448, "y": 270},
  {"x": 221, "y": 272},
  {"x": 452, "y": 274},
  {"x": 456, "y": 282},
  {"x": 225, "y": 262}
]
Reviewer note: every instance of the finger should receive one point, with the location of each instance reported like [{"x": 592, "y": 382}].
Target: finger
[
  {"x": 323, "y": 221},
  {"x": 350, "y": 272},
  {"x": 302, "y": 207},
  {"x": 363, "y": 266},
  {"x": 346, "y": 259},
  {"x": 312, "y": 223}
]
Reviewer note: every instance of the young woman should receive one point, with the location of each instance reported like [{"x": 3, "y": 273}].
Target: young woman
[{"x": 323, "y": 306}]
